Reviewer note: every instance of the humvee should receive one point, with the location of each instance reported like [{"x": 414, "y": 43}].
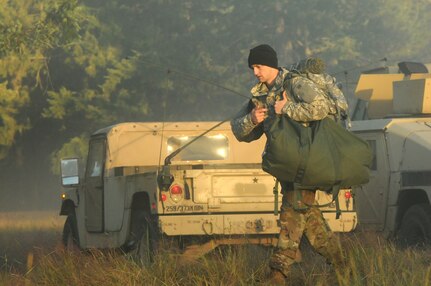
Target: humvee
[
  {"x": 394, "y": 116},
  {"x": 188, "y": 182}
]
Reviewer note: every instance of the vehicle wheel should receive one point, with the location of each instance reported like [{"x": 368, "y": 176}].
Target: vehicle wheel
[
  {"x": 145, "y": 246},
  {"x": 143, "y": 251},
  {"x": 70, "y": 234},
  {"x": 415, "y": 229}
]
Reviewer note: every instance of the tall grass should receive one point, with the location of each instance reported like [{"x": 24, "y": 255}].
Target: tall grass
[
  {"x": 243, "y": 265},
  {"x": 22, "y": 233},
  {"x": 369, "y": 262},
  {"x": 385, "y": 264}
]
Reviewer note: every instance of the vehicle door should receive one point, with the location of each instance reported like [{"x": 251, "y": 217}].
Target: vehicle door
[
  {"x": 93, "y": 189},
  {"x": 371, "y": 198}
]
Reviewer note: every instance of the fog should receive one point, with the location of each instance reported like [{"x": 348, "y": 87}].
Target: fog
[{"x": 174, "y": 61}]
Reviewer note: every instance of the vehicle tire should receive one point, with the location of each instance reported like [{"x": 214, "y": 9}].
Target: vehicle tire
[
  {"x": 143, "y": 251},
  {"x": 70, "y": 234},
  {"x": 145, "y": 246},
  {"x": 415, "y": 228}
]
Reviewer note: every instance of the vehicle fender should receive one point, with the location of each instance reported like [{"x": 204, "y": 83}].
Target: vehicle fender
[{"x": 67, "y": 207}]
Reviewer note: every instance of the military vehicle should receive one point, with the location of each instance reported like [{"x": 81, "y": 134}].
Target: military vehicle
[
  {"x": 189, "y": 183},
  {"x": 394, "y": 115}
]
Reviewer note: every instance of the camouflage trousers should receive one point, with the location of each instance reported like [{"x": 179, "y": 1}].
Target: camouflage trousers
[{"x": 296, "y": 220}]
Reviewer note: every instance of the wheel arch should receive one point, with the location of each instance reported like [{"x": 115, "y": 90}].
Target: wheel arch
[
  {"x": 67, "y": 207},
  {"x": 141, "y": 201},
  {"x": 140, "y": 209}
]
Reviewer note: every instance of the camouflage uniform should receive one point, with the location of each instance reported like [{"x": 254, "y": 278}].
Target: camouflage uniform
[
  {"x": 307, "y": 103},
  {"x": 296, "y": 219}
]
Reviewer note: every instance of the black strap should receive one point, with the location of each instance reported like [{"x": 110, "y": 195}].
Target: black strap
[
  {"x": 335, "y": 192},
  {"x": 305, "y": 141},
  {"x": 275, "y": 191}
]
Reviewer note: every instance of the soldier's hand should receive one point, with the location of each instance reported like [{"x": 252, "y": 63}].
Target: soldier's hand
[
  {"x": 279, "y": 104},
  {"x": 258, "y": 114}
]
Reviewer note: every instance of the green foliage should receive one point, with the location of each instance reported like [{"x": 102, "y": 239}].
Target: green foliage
[
  {"x": 10, "y": 103},
  {"x": 101, "y": 101},
  {"x": 59, "y": 102},
  {"x": 29, "y": 30},
  {"x": 392, "y": 29},
  {"x": 28, "y": 26}
]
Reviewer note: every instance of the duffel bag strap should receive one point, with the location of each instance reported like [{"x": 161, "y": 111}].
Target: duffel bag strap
[
  {"x": 335, "y": 193},
  {"x": 305, "y": 141},
  {"x": 275, "y": 191},
  {"x": 298, "y": 203}
]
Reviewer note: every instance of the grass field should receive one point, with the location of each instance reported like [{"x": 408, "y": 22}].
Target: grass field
[
  {"x": 31, "y": 254},
  {"x": 24, "y": 233}
]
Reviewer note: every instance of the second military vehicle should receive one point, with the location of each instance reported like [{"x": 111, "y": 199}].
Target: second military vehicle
[{"x": 394, "y": 115}]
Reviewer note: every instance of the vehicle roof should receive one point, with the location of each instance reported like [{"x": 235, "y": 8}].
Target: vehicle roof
[
  {"x": 369, "y": 125},
  {"x": 145, "y": 143},
  {"x": 159, "y": 126}
]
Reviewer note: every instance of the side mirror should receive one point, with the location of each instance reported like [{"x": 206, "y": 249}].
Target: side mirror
[{"x": 69, "y": 172}]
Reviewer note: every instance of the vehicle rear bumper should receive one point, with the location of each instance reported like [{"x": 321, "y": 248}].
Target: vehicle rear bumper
[{"x": 232, "y": 224}]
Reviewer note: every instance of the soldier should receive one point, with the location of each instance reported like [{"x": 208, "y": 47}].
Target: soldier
[{"x": 303, "y": 102}]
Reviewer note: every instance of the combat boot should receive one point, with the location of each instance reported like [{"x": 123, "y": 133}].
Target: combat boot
[{"x": 276, "y": 277}]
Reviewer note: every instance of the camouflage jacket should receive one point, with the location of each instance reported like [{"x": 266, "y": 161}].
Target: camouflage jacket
[{"x": 307, "y": 103}]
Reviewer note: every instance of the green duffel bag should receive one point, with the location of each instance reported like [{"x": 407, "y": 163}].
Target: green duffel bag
[{"x": 322, "y": 155}]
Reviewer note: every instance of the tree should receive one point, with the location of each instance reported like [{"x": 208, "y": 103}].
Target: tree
[
  {"x": 32, "y": 32},
  {"x": 29, "y": 30},
  {"x": 68, "y": 68}
]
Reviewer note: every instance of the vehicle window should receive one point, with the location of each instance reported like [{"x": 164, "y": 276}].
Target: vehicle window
[
  {"x": 372, "y": 144},
  {"x": 214, "y": 147},
  {"x": 95, "y": 158}
]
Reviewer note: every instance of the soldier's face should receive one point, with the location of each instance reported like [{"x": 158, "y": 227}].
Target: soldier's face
[{"x": 264, "y": 73}]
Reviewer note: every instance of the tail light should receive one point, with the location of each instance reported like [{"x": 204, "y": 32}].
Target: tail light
[
  {"x": 176, "y": 192},
  {"x": 347, "y": 196},
  {"x": 163, "y": 197}
]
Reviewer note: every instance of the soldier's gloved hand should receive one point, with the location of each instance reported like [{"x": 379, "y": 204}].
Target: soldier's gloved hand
[{"x": 279, "y": 104}]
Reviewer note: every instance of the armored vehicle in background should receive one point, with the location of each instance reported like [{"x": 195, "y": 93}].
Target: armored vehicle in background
[
  {"x": 394, "y": 115},
  {"x": 210, "y": 193}
]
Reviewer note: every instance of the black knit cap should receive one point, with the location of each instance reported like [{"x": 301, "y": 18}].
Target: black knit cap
[{"x": 263, "y": 55}]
